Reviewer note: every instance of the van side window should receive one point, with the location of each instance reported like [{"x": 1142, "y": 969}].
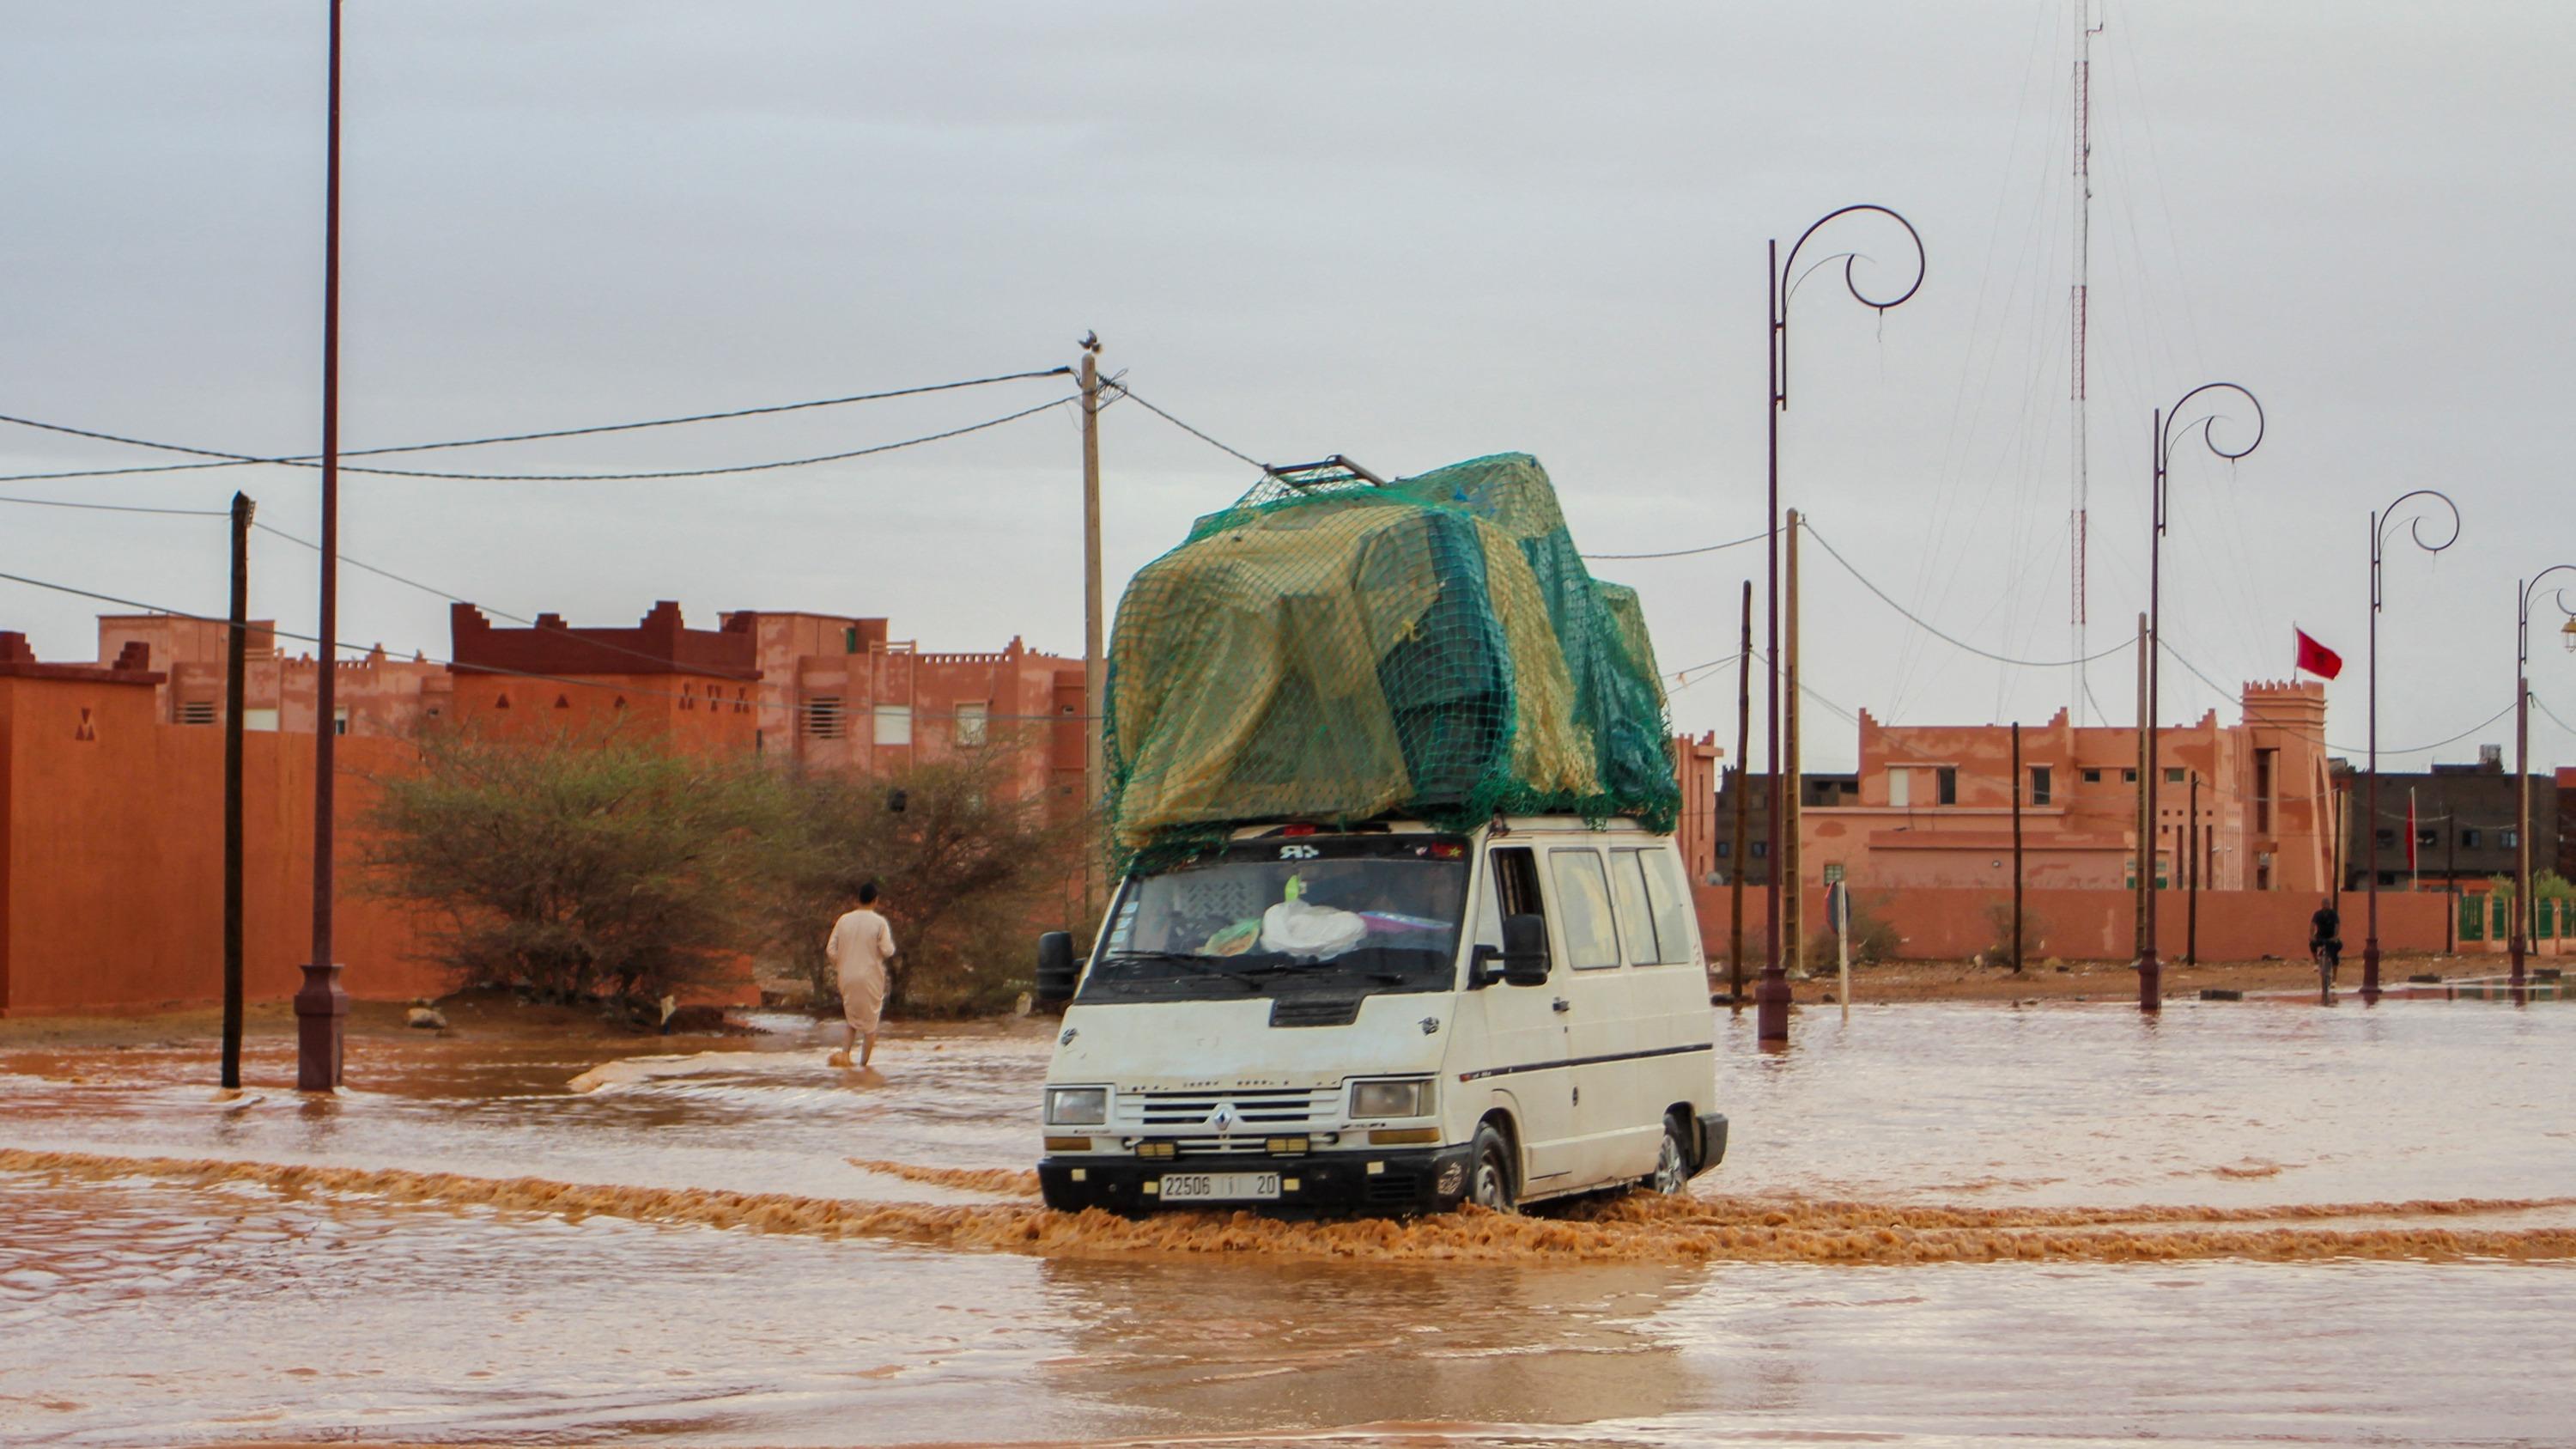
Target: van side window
[
  {"x": 1489, "y": 907},
  {"x": 1583, "y": 905},
  {"x": 1516, "y": 882},
  {"x": 1636, "y": 922},
  {"x": 1676, "y": 919}
]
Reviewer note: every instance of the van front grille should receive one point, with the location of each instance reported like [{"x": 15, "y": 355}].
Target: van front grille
[
  {"x": 1259, "y": 1113},
  {"x": 1314, "y": 1010}
]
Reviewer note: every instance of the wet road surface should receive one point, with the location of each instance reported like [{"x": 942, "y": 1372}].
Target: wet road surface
[{"x": 1894, "y": 1251}]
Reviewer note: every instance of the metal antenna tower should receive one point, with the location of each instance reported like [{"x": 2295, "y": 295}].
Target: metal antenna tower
[{"x": 2078, "y": 297}]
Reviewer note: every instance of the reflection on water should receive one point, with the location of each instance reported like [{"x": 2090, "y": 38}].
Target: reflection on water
[{"x": 2110, "y": 1232}]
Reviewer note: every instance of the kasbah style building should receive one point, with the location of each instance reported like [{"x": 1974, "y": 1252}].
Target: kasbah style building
[{"x": 111, "y": 771}]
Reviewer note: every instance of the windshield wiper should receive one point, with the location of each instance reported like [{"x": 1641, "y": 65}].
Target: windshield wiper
[{"x": 1203, "y": 965}]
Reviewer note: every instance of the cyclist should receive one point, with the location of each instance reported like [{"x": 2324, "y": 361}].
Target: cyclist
[{"x": 2325, "y": 940}]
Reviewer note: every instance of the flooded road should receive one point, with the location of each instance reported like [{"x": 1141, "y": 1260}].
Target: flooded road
[{"x": 2256, "y": 1222}]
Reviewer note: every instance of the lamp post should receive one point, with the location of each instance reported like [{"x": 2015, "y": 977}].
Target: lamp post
[
  {"x": 1771, "y": 993},
  {"x": 2379, "y": 525},
  {"x": 2522, "y": 752},
  {"x": 321, "y": 1005},
  {"x": 2150, "y": 972}
]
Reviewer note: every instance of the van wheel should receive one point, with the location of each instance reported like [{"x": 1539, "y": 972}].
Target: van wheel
[
  {"x": 1489, "y": 1180},
  {"x": 1672, "y": 1161}
]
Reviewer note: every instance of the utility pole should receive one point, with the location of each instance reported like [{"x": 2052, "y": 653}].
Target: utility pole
[
  {"x": 2143, "y": 866},
  {"x": 1743, "y": 787},
  {"x": 2191, "y": 881},
  {"x": 236, "y": 668},
  {"x": 1095, "y": 675},
  {"x": 321, "y": 1006},
  {"x": 2016, "y": 802},
  {"x": 1790, "y": 867}
]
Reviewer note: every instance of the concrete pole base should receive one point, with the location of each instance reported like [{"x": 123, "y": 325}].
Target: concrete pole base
[
  {"x": 2151, "y": 983},
  {"x": 1771, "y": 997},
  {"x": 321, "y": 1013}
]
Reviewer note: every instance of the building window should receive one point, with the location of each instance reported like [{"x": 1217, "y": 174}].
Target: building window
[
  {"x": 2388, "y": 877},
  {"x": 1725, "y": 848},
  {"x": 1947, "y": 779},
  {"x": 2092, "y": 777},
  {"x": 894, "y": 724},
  {"x": 2387, "y": 835},
  {"x": 823, "y": 717},
  {"x": 266, "y": 719},
  {"x": 2509, "y": 839},
  {"x": 2469, "y": 838},
  {"x": 2128, "y": 777},
  {"x": 197, "y": 712},
  {"x": 2039, "y": 784},
  {"x": 850, "y": 639},
  {"x": 1761, "y": 849},
  {"x": 2425, "y": 837},
  {"x": 2265, "y": 768},
  {"x": 1900, "y": 788},
  {"x": 340, "y": 720},
  {"x": 970, "y": 723},
  {"x": 1833, "y": 873},
  {"x": 2173, "y": 774}
]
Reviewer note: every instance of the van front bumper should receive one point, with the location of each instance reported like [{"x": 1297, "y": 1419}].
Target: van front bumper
[{"x": 1410, "y": 1180}]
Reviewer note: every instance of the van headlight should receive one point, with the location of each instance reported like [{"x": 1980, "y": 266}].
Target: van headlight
[
  {"x": 1077, "y": 1106},
  {"x": 1392, "y": 1099}
]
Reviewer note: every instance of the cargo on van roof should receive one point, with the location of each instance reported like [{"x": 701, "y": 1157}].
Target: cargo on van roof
[{"x": 1433, "y": 647}]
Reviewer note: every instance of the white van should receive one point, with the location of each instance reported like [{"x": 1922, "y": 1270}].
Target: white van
[{"x": 1386, "y": 1018}]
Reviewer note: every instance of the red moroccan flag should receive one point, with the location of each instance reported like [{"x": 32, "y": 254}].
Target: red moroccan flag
[{"x": 2316, "y": 658}]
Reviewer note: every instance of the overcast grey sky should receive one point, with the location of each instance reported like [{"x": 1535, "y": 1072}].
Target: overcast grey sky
[{"x": 1411, "y": 233}]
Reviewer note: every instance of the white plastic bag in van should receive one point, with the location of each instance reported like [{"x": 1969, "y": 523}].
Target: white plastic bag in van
[{"x": 1296, "y": 928}]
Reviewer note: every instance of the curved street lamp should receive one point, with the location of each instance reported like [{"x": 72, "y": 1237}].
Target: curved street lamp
[
  {"x": 2150, "y": 971},
  {"x": 1771, "y": 993},
  {"x": 2522, "y": 752},
  {"x": 2380, "y": 523}
]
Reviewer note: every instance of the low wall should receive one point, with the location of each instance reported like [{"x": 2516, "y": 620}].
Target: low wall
[
  {"x": 2097, "y": 925},
  {"x": 111, "y": 858}
]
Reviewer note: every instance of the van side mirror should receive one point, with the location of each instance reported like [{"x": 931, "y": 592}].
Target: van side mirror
[
  {"x": 1525, "y": 955},
  {"x": 1056, "y": 971}
]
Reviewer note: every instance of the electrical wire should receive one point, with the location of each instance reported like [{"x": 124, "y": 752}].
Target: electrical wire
[
  {"x": 1123, "y": 390},
  {"x": 229, "y": 460},
  {"x": 1948, "y": 638},
  {"x": 657, "y": 474},
  {"x": 120, "y": 507},
  {"x": 1685, "y": 552},
  {"x": 2251, "y": 718}
]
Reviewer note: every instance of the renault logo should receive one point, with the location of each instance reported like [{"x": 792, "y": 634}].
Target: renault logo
[{"x": 1222, "y": 1120}]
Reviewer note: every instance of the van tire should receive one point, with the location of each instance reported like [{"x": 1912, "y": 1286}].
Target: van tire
[
  {"x": 1489, "y": 1171},
  {"x": 1672, "y": 1173}
]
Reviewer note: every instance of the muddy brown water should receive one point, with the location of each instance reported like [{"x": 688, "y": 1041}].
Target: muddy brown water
[{"x": 2249, "y": 1223}]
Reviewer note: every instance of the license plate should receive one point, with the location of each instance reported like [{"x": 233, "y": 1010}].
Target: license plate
[{"x": 1220, "y": 1186}]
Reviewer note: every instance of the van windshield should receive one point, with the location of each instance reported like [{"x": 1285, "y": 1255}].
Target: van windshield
[{"x": 1352, "y": 914}]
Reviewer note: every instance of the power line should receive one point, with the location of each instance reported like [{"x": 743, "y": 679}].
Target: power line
[
  {"x": 1934, "y": 630},
  {"x": 572, "y": 477},
  {"x": 229, "y": 460},
  {"x": 2252, "y": 718},
  {"x": 119, "y": 507},
  {"x": 1237, "y": 454},
  {"x": 1686, "y": 552}
]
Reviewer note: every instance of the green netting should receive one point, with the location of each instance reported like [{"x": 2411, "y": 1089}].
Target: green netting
[{"x": 1433, "y": 648}]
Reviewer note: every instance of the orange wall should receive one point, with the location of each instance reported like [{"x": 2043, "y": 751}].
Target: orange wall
[
  {"x": 2097, "y": 925},
  {"x": 687, "y": 709},
  {"x": 111, "y": 857}
]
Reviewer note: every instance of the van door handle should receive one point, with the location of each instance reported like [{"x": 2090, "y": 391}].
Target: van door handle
[{"x": 1564, "y": 1005}]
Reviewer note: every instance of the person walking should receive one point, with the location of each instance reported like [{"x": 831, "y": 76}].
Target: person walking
[{"x": 859, "y": 947}]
